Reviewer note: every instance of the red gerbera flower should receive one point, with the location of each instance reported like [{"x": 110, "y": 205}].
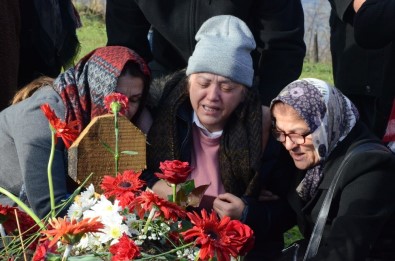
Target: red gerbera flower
[
  {"x": 123, "y": 187},
  {"x": 147, "y": 200},
  {"x": 9, "y": 220},
  {"x": 70, "y": 231},
  {"x": 174, "y": 171},
  {"x": 116, "y": 102},
  {"x": 68, "y": 132},
  {"x": 211, "y": 236},
  {"x": 124, "y": 250},
  {"x": 241, "y": 235}
]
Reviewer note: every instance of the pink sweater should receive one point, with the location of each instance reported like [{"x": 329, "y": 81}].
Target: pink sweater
[{"x": 206, "y": 166}]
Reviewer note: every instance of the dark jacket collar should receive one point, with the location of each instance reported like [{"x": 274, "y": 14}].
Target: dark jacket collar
[{"x": 358, "y": 135}]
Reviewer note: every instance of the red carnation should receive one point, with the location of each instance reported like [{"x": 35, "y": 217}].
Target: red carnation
[
  {"x": 123, "y": 187},
  {"x": 68, "y": 132},
  {"x": 174, "y": 171},
  {"x": 116, "y": 102},
  {"x": 124, "y": 250}
]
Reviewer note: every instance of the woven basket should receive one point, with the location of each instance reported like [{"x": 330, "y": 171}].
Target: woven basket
[{"x": 88, "y": 154}]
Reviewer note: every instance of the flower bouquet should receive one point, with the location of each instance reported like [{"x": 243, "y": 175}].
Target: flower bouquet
[{"x": 125, "y": 222}]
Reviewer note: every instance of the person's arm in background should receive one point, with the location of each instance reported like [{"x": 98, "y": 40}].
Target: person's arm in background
[
  {"x": 127, "y": 26},
  {"x": 374, "y": 22},
  {"x": 33, "y": 146},
  {"x": 278, "y": 29}
]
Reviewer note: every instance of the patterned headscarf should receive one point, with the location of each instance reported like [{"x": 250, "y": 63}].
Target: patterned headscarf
[
  {"x": 330, "y": 116},
  {"x": 84, "y": 87}
]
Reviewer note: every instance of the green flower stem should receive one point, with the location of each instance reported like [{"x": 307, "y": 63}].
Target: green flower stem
[
  {"x": 116, "y": 154},
  {"x": 50, "y": 182},
  {"x": 150, "y": 216},
  {"x": 168, "y": 252},
  {"x": 23, "y": 207},
  {"x": 174, "y": 188}
]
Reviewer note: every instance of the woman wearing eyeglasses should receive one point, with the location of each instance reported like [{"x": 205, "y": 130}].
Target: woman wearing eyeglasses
[{"x": 319, "y": 126}]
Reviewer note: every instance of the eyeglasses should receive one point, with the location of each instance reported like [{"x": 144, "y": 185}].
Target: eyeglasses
[{"x": 297, "y": 139}]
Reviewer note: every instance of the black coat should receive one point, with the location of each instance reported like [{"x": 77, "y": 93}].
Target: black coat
[
  {"x": 361, "y": 220},
  {"x": 278, "y": 28},
  {"x": 364, "y": 74},
  {"x": 374, "y": 27}
]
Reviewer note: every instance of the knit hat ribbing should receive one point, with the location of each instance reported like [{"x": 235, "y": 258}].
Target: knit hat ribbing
[{"x": 224, "y": 45}]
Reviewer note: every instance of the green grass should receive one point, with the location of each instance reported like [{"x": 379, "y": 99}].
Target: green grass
[
  {"x": 322, "y": 71},
  {"x": 292, "y": 235},
  {"x": 92, "y": 34}
]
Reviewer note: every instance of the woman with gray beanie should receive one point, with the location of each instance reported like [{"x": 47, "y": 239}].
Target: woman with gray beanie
[{"x": 211, "y": 116}]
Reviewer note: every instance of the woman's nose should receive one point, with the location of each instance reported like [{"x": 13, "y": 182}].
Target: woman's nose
[
  {"x": 289, "y": 144},
  {"x": 213, "y": 92}
]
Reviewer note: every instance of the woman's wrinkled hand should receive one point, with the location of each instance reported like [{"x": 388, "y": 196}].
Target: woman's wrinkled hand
[{"x": 229, "y": 205}]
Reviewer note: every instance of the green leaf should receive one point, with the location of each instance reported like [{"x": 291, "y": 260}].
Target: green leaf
[
  {"x": 129, "y": 152},
  {"x": 188, "y": 186},
  {"x": 53, "y": 257},
  {"x": 107, "y": 147}
]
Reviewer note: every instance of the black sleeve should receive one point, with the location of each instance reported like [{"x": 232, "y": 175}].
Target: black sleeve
[
  {"x": 270, "y": 219},
  {"x": 149, "y": 177},
  {"x": 343, "y": 9},
  {"x": 374, "y": 23},
  {"x": 278, "y": 28},
  {"x": 127, "y": 26}
]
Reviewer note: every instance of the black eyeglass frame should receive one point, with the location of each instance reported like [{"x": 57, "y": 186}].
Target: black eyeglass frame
[{"x": 277, "y": 134}]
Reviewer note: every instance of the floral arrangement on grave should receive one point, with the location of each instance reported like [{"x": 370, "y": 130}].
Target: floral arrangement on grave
[{"x": 125, "y": 222}]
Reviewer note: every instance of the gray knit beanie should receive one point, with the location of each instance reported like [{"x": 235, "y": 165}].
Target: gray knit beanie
[{"x": 224, "y": 45}]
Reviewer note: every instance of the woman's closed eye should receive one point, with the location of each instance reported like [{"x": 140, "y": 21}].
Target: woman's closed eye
[{"x": 135, "y": 99}]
